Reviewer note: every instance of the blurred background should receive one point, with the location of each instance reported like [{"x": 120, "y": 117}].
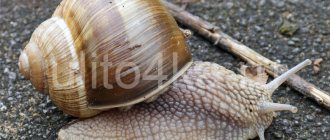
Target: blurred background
[{"x": 286, "y": 31}]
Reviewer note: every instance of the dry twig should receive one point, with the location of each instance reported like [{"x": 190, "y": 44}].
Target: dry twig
[{"x": 224, "y": 41}]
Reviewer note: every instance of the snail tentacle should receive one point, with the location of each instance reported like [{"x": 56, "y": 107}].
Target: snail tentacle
[
  {"x": 268, "y": 107},
  {"x": 273, "y": 85},
  {"x": 261, "y": 133}
]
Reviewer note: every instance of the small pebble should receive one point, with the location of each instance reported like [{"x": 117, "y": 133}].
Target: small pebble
[
  {"x": 288, "y": 130},
  {"x": 295, "y": 50},
  {"x": 10, "y": 98},
  {"x": 296, "y": 123},
  {"x": 3, "y": 108},
  {"x": 277, "y": 134},
  {"x": 310, "y": 117},
  {"x": 291, "y": 43},
  {"x": 295, "y": 39},
  {"x": 11, "y": 75},
  {"x": 258, "y": 28},
  {"x": 285, "y": 122},
  {"x": 278, "y": 3},
  {"x": 3, "y": 136},
  {"x": 228, "y": 5}
]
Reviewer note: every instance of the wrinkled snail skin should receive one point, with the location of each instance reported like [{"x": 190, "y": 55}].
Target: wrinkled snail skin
[
  {"x": 198, "y": 100},
  {"x": 67, "y": 53},
  {"x": 207, "y": 102}
]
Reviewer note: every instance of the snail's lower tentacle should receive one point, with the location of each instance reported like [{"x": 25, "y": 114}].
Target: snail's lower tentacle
[{"x": 268, "y": 107}]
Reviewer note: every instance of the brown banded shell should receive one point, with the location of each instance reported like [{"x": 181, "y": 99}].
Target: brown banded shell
[{"x": 78, "y": 55}]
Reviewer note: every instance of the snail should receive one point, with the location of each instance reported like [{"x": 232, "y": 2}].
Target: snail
[{"x": 93, "y": 56}]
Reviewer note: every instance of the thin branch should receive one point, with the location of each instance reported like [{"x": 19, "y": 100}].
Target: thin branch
[{"x": 225, "y": 42}]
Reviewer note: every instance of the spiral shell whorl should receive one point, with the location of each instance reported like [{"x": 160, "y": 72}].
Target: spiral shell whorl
[
  {"x": 23, "y": 64},
  {"x": 83, "y": 33},
  {"x": 51, "y": 62},
  {"x": 32, "y": 66},
  {"x": 128, "y": 31}
]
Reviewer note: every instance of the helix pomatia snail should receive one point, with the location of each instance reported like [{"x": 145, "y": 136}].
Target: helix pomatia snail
[{"x": 67, "y": 57}]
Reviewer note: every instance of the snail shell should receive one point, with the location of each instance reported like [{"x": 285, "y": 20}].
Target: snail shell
[{"x": 85, "y": 43}]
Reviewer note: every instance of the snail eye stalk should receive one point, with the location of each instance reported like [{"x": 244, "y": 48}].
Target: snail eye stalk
[{"x": 273, "y": 85}]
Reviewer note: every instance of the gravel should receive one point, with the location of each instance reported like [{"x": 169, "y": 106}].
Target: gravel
[{"x": 25, "y": 114}]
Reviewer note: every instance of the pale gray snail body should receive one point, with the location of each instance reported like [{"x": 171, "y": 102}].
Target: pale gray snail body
[{"x": 200, "y": 100}]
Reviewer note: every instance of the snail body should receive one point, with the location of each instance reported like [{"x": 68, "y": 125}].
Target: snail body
[
  {"x": 207, "y": 102},
  {"x": 68, "y": 54}
]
